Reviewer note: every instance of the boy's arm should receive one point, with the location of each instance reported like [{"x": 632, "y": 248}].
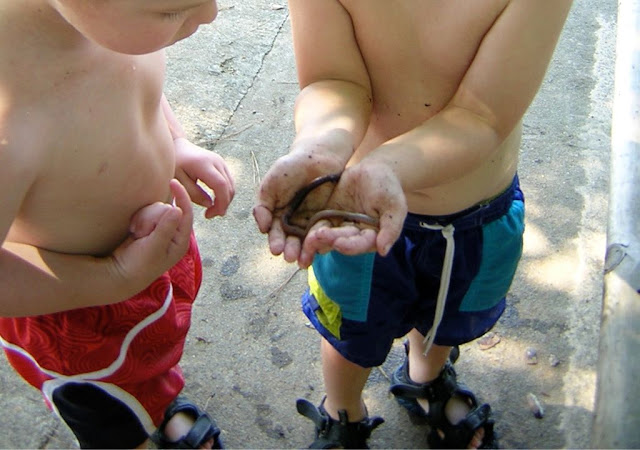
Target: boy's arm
[
  {"x": 491, "y": 100},
  {"x": 335, "y": 98},
  {"x": 35, "y": 281},
  {"x": 331, "y": 112}
]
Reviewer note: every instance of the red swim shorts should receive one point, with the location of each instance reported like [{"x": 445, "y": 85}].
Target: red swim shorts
[{"x": 94, "y": 362}]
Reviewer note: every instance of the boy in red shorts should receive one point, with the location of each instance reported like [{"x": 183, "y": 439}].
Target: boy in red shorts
[{"x": 99, "y": 266}]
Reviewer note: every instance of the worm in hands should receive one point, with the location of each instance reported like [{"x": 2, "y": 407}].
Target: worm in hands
[{"x": 301, "y": 232}]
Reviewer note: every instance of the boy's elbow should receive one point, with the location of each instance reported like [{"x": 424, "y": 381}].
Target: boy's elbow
[
  {"x": 500, "y": 120},
  {"x": 481, "y": 123}
]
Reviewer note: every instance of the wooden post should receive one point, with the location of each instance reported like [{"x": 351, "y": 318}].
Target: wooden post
[{"x": 617, "y": 413}]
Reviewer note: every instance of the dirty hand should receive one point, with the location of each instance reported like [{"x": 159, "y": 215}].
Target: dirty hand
[
  {"x": 160, "y": 235},
  {"x": 368, "y": 188},
  {"x": 195, "y": 164},
  {"x": 289, "y": 174}
]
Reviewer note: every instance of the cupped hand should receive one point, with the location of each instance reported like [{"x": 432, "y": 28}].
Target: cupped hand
[
  {"x": 160, "y": 237},
  {"x": 369, "y": 188},
  {"x": 287, "y": 176}
]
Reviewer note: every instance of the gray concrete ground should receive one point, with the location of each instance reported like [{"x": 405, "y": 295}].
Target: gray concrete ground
[{"x": 250, "y": 354}]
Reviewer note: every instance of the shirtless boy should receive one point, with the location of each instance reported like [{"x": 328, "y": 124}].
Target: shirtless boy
[
  {"x": 99, "y": 266},
  {"x": 419, "y": 103}
]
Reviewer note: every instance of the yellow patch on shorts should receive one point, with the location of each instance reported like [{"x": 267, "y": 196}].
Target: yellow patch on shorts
[{"x": 329, "y": 314}]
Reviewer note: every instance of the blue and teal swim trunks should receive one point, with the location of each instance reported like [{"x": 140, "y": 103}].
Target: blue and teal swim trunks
[{"x": 446, "y": 275}]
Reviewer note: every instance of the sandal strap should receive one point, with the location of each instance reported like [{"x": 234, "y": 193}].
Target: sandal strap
[
  {"x": 438, "y": 393},
  {"x": 341, "y": 433},
  {"x": 441, "y": 388},
  {"x": 203, "y": 429},
  {"x": 460, "y": 434},
  {"x": 478, "y": 417}
]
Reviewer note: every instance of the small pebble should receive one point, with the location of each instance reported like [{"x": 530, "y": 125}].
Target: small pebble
[
  {"x": 531, "y": 356},
  {"x": 535, "y": 406},
  {"x": 488, "y": 340},
  {"x": 553, "y": 361}
]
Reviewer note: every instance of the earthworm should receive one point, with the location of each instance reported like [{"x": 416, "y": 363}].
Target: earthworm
[{"x": 301, "y": 232}]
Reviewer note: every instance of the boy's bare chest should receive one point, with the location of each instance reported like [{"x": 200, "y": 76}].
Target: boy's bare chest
[
  {"x": 418, "y": 51},
  {"x": 106, "y": 152}
]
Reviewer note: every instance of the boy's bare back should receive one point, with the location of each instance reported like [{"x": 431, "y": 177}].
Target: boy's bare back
[{"x": 85, "y": 129}]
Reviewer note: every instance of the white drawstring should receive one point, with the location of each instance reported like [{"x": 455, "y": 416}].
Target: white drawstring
[{"x": 445, "y": 278}]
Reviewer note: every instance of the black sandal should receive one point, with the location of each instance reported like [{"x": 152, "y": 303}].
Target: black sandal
[
  {"x": 438, "y": 392},
  {"x": 204, "y": 428},
  {"x": 331, "y": 433}
]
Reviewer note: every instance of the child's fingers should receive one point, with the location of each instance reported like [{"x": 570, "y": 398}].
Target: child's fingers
[
  {"x": 263, "y": 217},
  {"x": 196, "y": 193},
  {"x": 275, "y": 193},
  {"x": 265, "y": 205},
  {"x": 391, "y": 222},
  {"x": 362, "y": 242},
  {"x": 182, "y": 201},
  {"x": 276, "y": 238},
  {"x": 232, "y": 181},
  {"x": 223, "y": 191},
  {"x": 291, "y": 251},
  {"x": 314, "y": 243},
  {"x": 347, "y": 239},
  {"x": 145, "y": 220},
  {"x": 219, "y": 207},
  {"x": 165, "y": 232}
]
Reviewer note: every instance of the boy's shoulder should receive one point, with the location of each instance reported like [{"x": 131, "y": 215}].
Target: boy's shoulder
[
  {"x": 23, "y": 55},
  {"x": 23, "y": 71}
]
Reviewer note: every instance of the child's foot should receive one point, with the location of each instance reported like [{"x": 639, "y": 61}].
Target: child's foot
[
  {"x": 337, "y": 433},
  {"x": 179, "y": 426},
  {"x": 186, "y": 426},
  {"x": 452, "y": 411},
  {"x": 456, "y": 410}
]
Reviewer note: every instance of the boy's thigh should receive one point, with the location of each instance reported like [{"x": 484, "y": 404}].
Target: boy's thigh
[{"x": 360, "y": 304}]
